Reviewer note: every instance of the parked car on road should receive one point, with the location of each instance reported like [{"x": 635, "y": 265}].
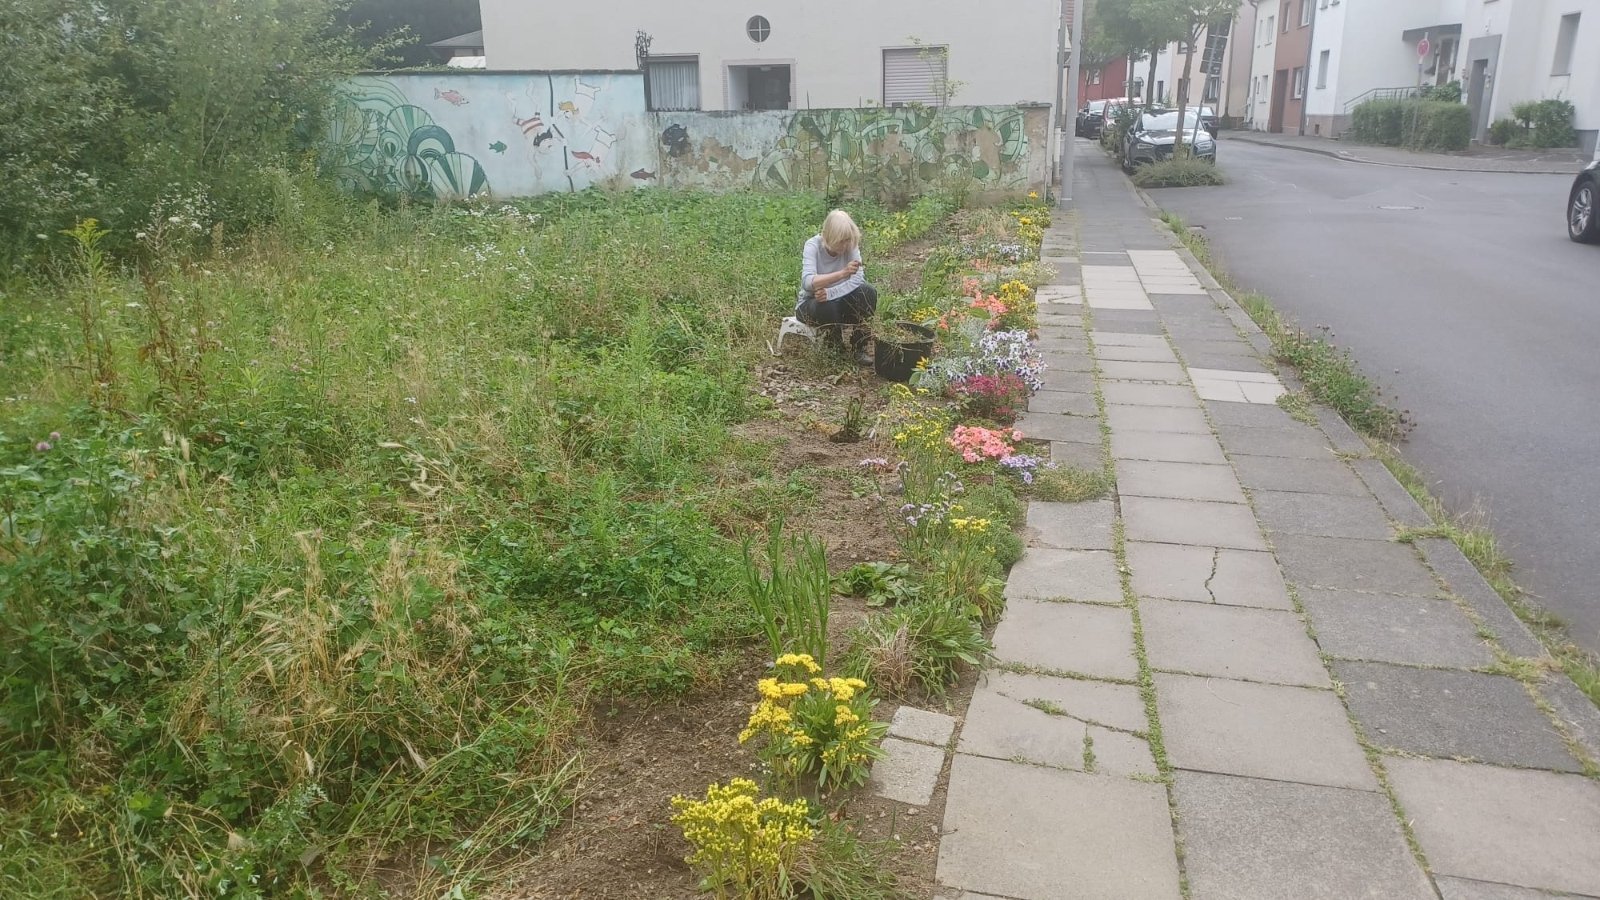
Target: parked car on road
[
  {"x": 1208, "y": 118},
  {"x": 1089, "y": 119},
  {"x": 1583, "y": 225},
  {"x": 1152, "y": 136},
  {"x": 1109, "y": 114}
]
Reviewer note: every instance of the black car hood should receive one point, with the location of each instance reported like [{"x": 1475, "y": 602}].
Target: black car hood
[{"x": 1168, "y": 137}]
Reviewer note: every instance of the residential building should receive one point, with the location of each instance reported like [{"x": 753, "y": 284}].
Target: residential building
[
  {"x": 724, "y": 55},
  {"x": 1520, "y": 50},
  {"x": 1117, "y": 77},
  {"x": 1265, "y": 51},
  {"x": 1238, "y": 90},
  {"x": 1210, "y": 80},
  {"x": 1363, "y": 49},
  {"x": 1291, "y": 60}
]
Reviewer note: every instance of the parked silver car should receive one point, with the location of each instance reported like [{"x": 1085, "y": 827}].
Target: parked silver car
[{"x": 1153, "y": 134}]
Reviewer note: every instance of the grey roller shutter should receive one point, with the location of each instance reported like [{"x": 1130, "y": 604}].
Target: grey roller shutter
[{"x": 914, "y": 75}]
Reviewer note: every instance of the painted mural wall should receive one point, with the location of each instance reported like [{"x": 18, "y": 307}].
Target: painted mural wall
[{"x": 450, "y": 135}]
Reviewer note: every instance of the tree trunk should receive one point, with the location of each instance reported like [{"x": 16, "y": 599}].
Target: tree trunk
[
  {"x": 1183, "y": 92},
  {"x": 1150, "y": 80}
]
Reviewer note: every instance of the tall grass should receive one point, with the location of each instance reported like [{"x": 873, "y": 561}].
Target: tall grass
[{"x": 310, "y": 558}]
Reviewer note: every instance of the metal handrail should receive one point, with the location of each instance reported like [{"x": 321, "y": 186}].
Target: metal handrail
[{"x": 1393, "y": 93}]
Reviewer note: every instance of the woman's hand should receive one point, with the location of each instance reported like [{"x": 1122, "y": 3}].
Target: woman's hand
[{"x": 852, "y": 268}]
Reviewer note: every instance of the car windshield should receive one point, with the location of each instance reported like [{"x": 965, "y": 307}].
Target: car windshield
[{"x": 1168, "y": 121}]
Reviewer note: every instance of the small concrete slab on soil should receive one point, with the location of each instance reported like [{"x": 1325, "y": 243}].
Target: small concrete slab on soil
[
  {"x": 1166, "y": 447},
  {"x": 1300, "y": 442},
  {"x": 1081, "y": 638},
  {"x": 1041, "y": 426},
  {"x": 1322, "y": 514},
  {"x": 1310, "y": 476},
  {"x": 1251, "y": 839},
  {"x": 1122, "y": 370},
  {"x": 1076, "y": 403},
  {"x": 1136, "y": 394},
  {"x": 1465, "y": 889},
  {"x": 922, "y": 726},
  {"x": 1260, "y": 730},
  {"x": 1097, "y": 702},
  {"x": 908, "y": 772},
  {"x": 1510, "y": 826},
  {"x": 1207, "y": 575},
  {"x": 1071, "y": 526},
  {"x": 1174, "y": 419},
  {"x": 1230, "y": 642},
  {"x": 1193, "y": 522},
  {"x": 1414, "y": 631},
  {"x": 1031, "y": 833},
  {"x": 1439, "y": 712},
  {"x": 1078, "y": 454},
  {"x": 1177, "y": 480},
  {"x": 1002, "y": 727},
  {"x": 1249, "y": 415},
  {"x": 1089, "y": 576},
  {"x": 1355, "y": 565}
]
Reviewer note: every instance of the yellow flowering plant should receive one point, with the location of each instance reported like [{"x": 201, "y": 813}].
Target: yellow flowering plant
[
  {"x": 745, "y": 845},
  {"x": 815, "y": 725}
]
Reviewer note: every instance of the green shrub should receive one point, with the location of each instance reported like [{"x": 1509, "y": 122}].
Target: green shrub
[
  {"x": 1417, "y": 124},
  {"x": 1547, "y": 123},
  {"x": 1178, "y": 173},
  {"x": 1503, "y": 132},
  {"x": 1450, "y": 92},
  {"x": 924, "y": 643}
]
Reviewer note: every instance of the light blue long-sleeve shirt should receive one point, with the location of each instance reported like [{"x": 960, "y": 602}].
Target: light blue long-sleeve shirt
[{"x": 818, "y": 261}]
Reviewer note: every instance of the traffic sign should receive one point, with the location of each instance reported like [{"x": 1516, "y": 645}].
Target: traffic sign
[{"x": 1423, "y": 46}]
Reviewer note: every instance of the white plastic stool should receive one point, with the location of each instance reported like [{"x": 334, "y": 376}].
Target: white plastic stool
[{"x": 792, "y": 325}]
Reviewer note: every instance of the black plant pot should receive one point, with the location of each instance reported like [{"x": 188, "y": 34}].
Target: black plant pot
[{"x": 895, "y": 357}]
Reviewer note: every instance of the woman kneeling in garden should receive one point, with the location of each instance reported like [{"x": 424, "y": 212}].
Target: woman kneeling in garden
[{"x": 833, "y": 290}]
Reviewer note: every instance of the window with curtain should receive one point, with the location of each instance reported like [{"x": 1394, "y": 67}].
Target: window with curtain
[{"x": 674, "y": 83}]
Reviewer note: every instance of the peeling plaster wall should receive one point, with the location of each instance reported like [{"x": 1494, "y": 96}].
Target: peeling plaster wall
[{"x": 515, "y": 134}]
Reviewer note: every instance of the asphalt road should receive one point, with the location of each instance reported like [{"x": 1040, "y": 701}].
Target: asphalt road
[{"x": 1473, "y": 308}]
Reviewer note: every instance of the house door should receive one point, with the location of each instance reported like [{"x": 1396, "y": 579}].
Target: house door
[
  {"x": 1280, "y": 97},
  {"x": 1476, "y": 101}
]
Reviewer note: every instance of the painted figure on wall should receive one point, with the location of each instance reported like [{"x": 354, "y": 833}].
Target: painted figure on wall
[
  {"x": 377, "y": 141},
  {"x": 565, "y": 141}
]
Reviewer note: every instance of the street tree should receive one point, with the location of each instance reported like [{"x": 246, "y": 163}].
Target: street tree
[
  {"x": 1189, "y": 19},
  {"x": 1117, "y": 28}
]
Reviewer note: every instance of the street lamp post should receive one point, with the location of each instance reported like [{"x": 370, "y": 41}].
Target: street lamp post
[{"x": 1068, "y": 140}]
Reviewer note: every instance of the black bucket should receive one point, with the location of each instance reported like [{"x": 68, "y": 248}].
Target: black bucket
[{"x": 895, "y": 358}]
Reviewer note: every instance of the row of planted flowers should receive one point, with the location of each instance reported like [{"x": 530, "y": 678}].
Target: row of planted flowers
[{"x": 953, "y": 467}]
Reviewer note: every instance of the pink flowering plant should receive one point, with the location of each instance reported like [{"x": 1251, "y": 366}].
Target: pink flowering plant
[
  {"x": 975, "y": 443},
  {"x": 998, "y": 398}
]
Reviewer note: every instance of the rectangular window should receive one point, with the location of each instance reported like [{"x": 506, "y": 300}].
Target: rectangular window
[
  {"x": 1095, "y": 78},
  {"x": 1270, "y": 29},
  {"x": 1305, "y": 13},
  {"x": 674, "y": 82},
  {"x": 1213, "y": 89},
  {"x": 1322, "y": 70},
  {"x": 1565, "y": 39},
  {"x": 915, "y": 75},
  {"x": 1284, "y": 19},
  {"x": 1299, "y": 83}
]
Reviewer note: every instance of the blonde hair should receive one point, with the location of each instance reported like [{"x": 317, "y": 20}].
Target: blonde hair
[{"x": 839, "y": 233}]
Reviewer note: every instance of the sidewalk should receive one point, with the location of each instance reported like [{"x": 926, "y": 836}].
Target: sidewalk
[
  {"x": 1230, "y": 675},
  {"x": 1561, "y": 161}
]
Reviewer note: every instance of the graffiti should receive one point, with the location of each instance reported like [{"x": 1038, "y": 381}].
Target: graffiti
[
  {"x": 676, "y": 139},
  {"x": 453, "y": 98},
  {"x": 575, "y": 143},
  {"x": 378, "y": 142},
  {"x": 643, "y": 175},
  {"x": 498, "y": 147}
]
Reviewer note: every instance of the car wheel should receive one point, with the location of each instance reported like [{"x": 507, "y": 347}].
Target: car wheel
[{"x": 1583, "y": 225}]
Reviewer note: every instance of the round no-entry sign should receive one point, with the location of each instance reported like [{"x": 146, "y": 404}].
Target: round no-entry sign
[{"x": 1423, "y": 47}]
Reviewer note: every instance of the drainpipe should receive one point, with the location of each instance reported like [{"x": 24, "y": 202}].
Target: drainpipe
[
  {"x": 1068, "y": 143},
  {"x": 1311, "y": 42}
]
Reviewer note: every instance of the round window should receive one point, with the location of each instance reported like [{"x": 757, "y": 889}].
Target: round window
[{"x": 758, "y": 28}]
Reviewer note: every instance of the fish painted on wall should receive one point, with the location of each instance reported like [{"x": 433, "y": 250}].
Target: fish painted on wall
[
  {"x": 454, "y": 98},
  {"x": 566, "y": 133},
  {"x": 498, "y": 147},
  {"x": 643, "y": 175}
]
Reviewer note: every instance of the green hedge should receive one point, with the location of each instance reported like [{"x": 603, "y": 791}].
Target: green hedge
[{"x": 1416, "y": 124}]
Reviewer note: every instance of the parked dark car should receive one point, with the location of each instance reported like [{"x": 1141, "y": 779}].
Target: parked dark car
[
  {"x": 1208, "y": 118},
  {"x": 1152, "y": 136},
  {"x": 1583, "y": 225},
  {"x": 1114, "y": 108},
  {"x": 1089, "y": 119}
]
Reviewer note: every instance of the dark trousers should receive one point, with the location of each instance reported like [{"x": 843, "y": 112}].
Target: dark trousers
[{"x": 854, "y": 308}]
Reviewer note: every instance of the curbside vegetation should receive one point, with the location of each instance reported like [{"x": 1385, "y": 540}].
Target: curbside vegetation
[
  {"x": 1331, "y": 377},
  {"x": 1413, "y": 124},
  {"x": 1179, "y": 173}
]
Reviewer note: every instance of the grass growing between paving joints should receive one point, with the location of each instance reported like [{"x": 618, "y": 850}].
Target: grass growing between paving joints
[
  {"x": 387, "y": 551},
  {"x": 1330, "y": 376}
]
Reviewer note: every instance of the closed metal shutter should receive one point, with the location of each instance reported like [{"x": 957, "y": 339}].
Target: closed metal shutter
[
  {"x": 915, "y": 75},
  {"x": 674, "y": 84}
]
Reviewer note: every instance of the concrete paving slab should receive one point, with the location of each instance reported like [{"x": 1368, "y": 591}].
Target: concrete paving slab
[
  {"x": 1001, "y": 727},
  {"x": 1355, "y": 565},
  {"x": 1137, "y": 394},
  {"x": 1251, "y": 839},
  {"x": 1166, "y": 446},
  {"x": 1031, "y": 833},
  {"x": 1043, "y": 426},
  {"x": 1466, "y": 889},
  {"x": 1135, "y": 354},
  {"x": 1110, "y": 338},
  {"x": 1074, "y": 403},
  {"x": 1096, "y": 702},
  {"x": 1576, "y": 712},
  {"x": 1086, "y": 575},
  {"x": 1213, "y": 390},
  {"x": 1067, "y": 637},
  {"x": 1464, "y": 581},
  {"x": 1413, "y": 631},
  {"x": 1249, "y": 579},
  {"x": 1329, "y": 515},
  {"x": 1122, "y": 370},
  {"x": 1230, "y": 642},
  {"x": 1312, "y": 476},
  {"x": 1300, "y": 441},
  {"x": 1063, "y": 380},
  {"x": 1510, "y": 826},
  {"x": 1066, "y": 361},
  {"x": 1071, "y": 526},
  {"x": 1232, "y": 346},
  {"x": 1344, "y": 438},
  {"x": 1171, "y": 571},
  {"x": 1176, "y": 480},
  {"x": 1396, "y": 501},
  {"x": 1173, "y": 419},
  {"x": 1107, "y": 299},
  {"x": 1249, "y": 416},
  {"x": 1202, "y": 524},
  {"x": 1261, "y": 731},
  {"x": 923, "y": 726},
  {"x": 908, "y": 772},
  {"x": 1079, "y": 454},
  {"x": 1444, "y": 713},
  {"x": 1060, "y": 293}
]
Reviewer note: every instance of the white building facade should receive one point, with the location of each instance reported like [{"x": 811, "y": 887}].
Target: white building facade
[
  {"x": 726, "y": 55},
  {"x": 1366, "y": 48},
  {"x": 1521, "y": 50},
  {"x": 1263, "y": 39}
]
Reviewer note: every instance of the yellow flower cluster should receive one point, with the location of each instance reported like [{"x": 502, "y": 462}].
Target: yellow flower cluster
[
  {"x": 923, "y": 314},
  {"x": 744, "y": 841},
  {"x": 915, "y": 424},
  {"x": 971, "y": 526},
  {"x": 813, "y": 721},
  {"x": 1014, "y": 292},
  {"x": 803, "y": 660}
]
